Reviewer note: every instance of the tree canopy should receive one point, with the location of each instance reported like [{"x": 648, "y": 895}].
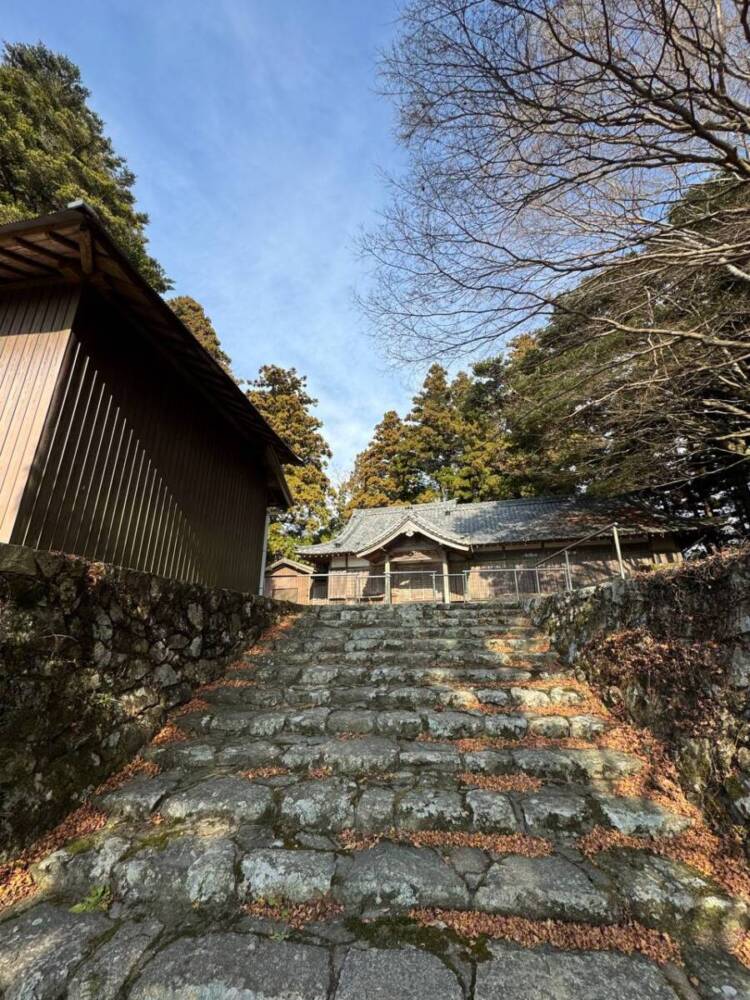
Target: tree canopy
[
  {"x": 281, "y": 395},
  {"x": 54, "y": 150},
  {"x": 578, "y": 172},
  {"x": 460, "y": 440},
  {"x": 193, "y": 315}
]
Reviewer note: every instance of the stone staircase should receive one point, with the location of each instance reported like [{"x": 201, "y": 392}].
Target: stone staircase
[{"x": 383, "y": 802}]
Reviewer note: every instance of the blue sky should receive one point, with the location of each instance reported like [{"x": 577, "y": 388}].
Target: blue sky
[{"x": 257, "y": 137}]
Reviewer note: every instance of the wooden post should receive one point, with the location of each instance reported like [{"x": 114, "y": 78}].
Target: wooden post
[
  {"x": 618, "y": 550},
  {"x": 446, "y": 580},
  {"x": 388, "y": 579},
  {"x": 568, "y": 577},
  {"x": 264, "y": 557}
]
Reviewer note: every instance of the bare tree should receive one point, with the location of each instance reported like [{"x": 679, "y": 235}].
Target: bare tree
[{"x": 551, "y": 140}]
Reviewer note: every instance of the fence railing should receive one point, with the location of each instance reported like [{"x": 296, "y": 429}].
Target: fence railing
[{"x": 506, "y": 584}]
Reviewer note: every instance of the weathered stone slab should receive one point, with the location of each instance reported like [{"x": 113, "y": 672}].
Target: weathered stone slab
[
  {"x": 555, "y": 809},
  {"x": 403, "y": 724},
  {"x": 40, "y": 948},
  {"x": 453, "y": 725},
  {"x": 138, "y": 797},
  {"x": 444, "y": 758},
  {"x": 491, "y": 812},
  {"x": 234, "y": 967},
  {"x": 506, "y": 727},
  {"x": 639, "y": 816},
  {"x": 544, "y": 888},
  {"x": 311, "y": 721},
  {"x": 395, "y": 974},
  {"x": 227, "y": 798},
  {"x": 361, "y": 756},
  {"x": 326, "y": 805},
  {"x": 431, "y": 809},
  {"x": 189, "y": 871},
  {"x": 374, "y": 811},
  {"x": 519, "y": 974},
  {"x": 103, "y": 976},
  {"x": 297, "y": 876},
  {"x": 396, "y": 877},
  {"x": 669, "y": 895},
  {"x": 252, "y": 753},
  {"x": 351, "y": 721}
]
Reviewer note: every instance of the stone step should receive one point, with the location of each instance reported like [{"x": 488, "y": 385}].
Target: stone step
[
  {"x": 183, "y": 876},
  {"x": 329, "y": 805},
  {"x": 314, "y": 645},
  {"x": 355, "y": 676},
  {"x": 400, "y": 760},
  {"x": 87, "y": 955},
  {"x": 304, "y": 628},
  {"x": 404, "y": 724},
  {"x": 421, "y": 656},
  {"x": 391, "y": 696}
]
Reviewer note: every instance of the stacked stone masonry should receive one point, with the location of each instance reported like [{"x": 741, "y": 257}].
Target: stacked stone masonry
[
  {"x": 91, "y": 660},
  {"x": 328, "y": 770},
  {"x": 700, "y": 605}
]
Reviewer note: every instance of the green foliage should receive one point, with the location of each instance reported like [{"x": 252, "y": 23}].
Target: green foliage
[
  {"x": 631, "y": 409},
  {"x": 98, "y": 898},
  {"x": 193, "y": 315},
  {"x": 53, "y": 150},
  {"x": 460, "y": 440},
  {"x": 281, "y": 395}
]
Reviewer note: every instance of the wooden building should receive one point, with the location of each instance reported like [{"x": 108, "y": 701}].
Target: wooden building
[
  {"x": 121, "y": 439},
  {"x": 289, "y": 580},
  {"x": 454, "y": 551}
]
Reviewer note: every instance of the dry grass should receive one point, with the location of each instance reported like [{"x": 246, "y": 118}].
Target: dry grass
[
  {"x": 268, "y": 637},
  {"x": 295, "y": 915},
  {"x": 475, "y": 743},
  {"x": 194, "y": 705},
  {"x": 264, "y": 772},
  {"x": 227, "y": 682},
  {"x": 17, "y": 882},
  {"x": 136, "y": 768},
  {"x": 169, "y": 733},
  {"x": 741, "y": 950},
  {"x": 627, "y": 938},
  {"x": 494, "y": 843},
  {"x": 318, "y": 773},
  {"x": 501, "y": 782}
]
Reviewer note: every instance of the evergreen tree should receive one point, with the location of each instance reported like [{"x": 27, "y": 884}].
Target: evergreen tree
[
  {"x": 53, "y": 150},
  {"x": 193, "y": 315},
  {"x": 281, "y": 395},
  {"x": 436, "y": 434},
  {"x": 384, "y": 473}
]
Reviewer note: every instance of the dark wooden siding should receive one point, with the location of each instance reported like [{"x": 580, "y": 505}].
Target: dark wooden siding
[
  {"x": 139, "y": 470},
  {"x": 34, "y": 333}
]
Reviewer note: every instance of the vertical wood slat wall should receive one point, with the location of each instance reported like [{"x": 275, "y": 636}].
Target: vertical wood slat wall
[
  {"x": 34, "y": 334},
  {"x": 138, "y": 470}
]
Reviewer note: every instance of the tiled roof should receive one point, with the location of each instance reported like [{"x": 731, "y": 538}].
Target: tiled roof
[{"x": 498, "y": 521}]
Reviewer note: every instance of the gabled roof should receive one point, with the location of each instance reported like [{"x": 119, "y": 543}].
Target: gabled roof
[
  {"x": 292, "y": 564},
  {"x": 73, "y": 246},
  {"x": 412, "y": 524},
  {"x": 496, "y": 522}
]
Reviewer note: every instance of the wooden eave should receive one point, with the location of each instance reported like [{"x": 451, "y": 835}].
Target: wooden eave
[{"x": 73, "y": 246}]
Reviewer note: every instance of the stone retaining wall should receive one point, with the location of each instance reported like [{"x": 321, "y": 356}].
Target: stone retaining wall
[
  {"x": 91, "y": 660},
  {"x": 687, "y": 630}
]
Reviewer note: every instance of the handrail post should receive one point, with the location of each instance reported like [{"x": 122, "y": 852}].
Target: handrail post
[
  {"x": 568, "y": 578},
  {"x": 618, "y": 550},
  {"x": 515, "y": 580},
  {"x": 538, "y": 584}
]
